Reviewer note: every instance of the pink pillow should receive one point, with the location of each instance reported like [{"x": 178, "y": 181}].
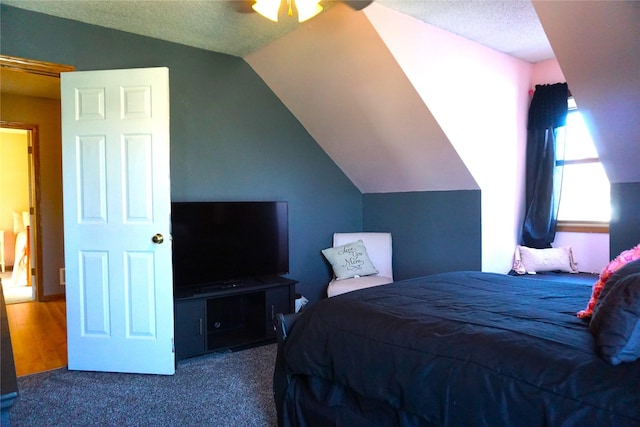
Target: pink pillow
[{"x": 625, "y": 257}]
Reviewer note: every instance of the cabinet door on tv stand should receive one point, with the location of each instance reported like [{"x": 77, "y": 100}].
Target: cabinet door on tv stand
[
  {"x": 190, "y": 324},
  {"x": 277, "y": 300}
]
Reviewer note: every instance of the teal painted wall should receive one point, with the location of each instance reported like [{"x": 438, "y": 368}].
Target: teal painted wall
[
  {"x": 432, "y": 231},
  {"x": 231, "y": 137}
]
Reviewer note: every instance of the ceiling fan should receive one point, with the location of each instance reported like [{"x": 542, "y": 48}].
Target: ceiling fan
[{"x": 305, "y": 9}]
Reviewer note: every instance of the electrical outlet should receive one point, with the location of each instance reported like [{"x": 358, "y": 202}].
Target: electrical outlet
[{"x": 63, "y": 280}]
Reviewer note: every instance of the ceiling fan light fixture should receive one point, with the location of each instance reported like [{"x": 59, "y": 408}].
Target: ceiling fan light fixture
[
  {"x": 270, "y": 9},
  {"x": 307, "y": 9}
]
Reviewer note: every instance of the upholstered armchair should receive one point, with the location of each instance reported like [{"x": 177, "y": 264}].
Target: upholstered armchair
[{"x": 379, "y": 251}]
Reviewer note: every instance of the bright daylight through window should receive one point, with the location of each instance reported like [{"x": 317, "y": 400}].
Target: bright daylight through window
[{"x": 585, "y": 186}]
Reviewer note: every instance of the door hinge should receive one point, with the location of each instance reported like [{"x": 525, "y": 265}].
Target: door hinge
[
  {"x": 173, "y": 346},
  {"x": 29, "y": 150}
]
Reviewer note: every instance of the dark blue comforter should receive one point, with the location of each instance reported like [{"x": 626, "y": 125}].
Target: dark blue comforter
[{"x": 456, "y": 349}]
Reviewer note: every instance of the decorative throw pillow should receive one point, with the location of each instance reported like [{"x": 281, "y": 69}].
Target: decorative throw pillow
[
  {"x": 615, "y": 323},
  {"x": 619, "y": 261},
  {"x": 350, "y": 260},
  {"x": 632, "y": 267},
  {"x": 530, "y": 260}
]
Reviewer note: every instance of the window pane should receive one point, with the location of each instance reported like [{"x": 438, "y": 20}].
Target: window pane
[
  {"x": 579, "y": 144},
  {"x": 585, "y": 193}
]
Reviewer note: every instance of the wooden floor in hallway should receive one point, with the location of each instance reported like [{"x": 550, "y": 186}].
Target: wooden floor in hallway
[{"x": 38, "y": 335}]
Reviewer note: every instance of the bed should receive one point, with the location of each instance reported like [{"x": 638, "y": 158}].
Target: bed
[
  {"x": 22, "y": 249},
  {"x": 19, "y": 276},
  {"x": 451, "y": 349}
]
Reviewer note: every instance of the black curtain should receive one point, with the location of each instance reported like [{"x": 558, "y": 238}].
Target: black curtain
[{"x": 547, "y": 113}]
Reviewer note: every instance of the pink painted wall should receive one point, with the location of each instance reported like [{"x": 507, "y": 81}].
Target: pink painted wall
[
  {"x": 479, "y": 98},
  {"x": 547, "y": 72}
]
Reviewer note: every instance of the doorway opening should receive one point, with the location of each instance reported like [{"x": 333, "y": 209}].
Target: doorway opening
[
  {"x": 18, "y": 225},
  {"x": 30, "y": 103}
]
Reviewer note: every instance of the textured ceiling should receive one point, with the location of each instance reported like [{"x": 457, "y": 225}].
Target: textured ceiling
[
  {"x": 232, "y": 27},
  {"x": 511, "y": 26}
]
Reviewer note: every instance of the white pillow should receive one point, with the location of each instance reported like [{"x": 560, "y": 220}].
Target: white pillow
[
  {"x": 530, "y": 260},
  {"x": 350, "y": 260},
  {"x": 18, "y": 224}
]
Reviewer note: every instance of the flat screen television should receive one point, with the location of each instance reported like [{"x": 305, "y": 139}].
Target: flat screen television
[{"x": 218, "y": 243}]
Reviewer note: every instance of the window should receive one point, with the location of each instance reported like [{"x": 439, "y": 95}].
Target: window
[{"x": 584, "y": 199}]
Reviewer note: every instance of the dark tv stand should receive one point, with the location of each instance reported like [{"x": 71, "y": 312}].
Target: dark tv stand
[{"x": 230, "y": 316}]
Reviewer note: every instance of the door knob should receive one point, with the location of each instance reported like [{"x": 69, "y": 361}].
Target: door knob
[{"x": 158, "y": 238}]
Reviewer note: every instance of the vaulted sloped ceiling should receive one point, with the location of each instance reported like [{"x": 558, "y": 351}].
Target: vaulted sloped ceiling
[
  {"x": 595, "y": 42},
  {"x": 401, "y": 105},
  {"x": 381, "y": 127},
  {"x": 340, "y": 80},
  {"x": 598, "y": 47}
]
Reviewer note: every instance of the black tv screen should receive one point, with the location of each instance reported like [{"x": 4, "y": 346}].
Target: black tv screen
[{"x": 220, "y": 242}]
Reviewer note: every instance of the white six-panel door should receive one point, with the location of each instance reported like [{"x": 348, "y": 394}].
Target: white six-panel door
[{"x": 115, "y": 155}]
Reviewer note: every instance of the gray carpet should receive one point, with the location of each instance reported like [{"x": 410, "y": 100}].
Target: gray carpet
[{"x": 222, "y": 389}]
